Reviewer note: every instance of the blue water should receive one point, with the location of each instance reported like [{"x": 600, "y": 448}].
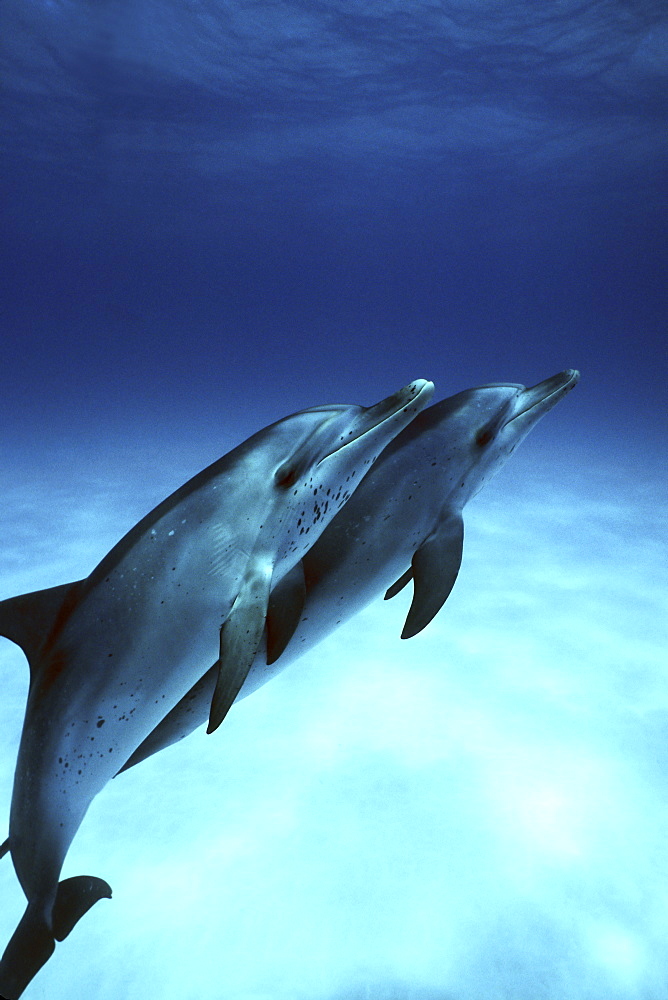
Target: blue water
[{"x": 215, "y": 214}]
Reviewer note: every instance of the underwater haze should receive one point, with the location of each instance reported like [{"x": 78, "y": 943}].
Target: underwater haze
[{"x": 218, "y": 213}]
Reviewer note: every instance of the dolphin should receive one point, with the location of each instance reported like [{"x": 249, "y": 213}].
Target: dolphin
[
  {"x": 403, "y": 523},
  {"x": 111, "y": 654}
]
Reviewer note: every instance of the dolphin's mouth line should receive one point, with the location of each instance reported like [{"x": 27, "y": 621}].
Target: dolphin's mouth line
[
  {"x": 570, "y": 379},
  {"x": 426, "y": 389}
]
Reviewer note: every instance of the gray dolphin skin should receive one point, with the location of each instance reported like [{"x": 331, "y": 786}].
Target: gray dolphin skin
[
  {"x": 403, "y": 523},
  {"x": 188, "y": 585}
]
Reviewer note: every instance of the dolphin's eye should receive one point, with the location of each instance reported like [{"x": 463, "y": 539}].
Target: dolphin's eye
[
  {"x": 286, "y": 476},
  {"x": 484, "y": 437}
]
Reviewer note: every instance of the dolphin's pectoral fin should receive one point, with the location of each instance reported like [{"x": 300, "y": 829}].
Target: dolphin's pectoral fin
[
  {"x": 172, "y": 728},
  {"x": 435, "y": 567},
  {"x": 399, "y": 585},
  {"x": 286, "y": 604},
  {"x": 240, "y": 637},
  {"x": 75, "y": 898},
  {"x": 4, "y": 849}
]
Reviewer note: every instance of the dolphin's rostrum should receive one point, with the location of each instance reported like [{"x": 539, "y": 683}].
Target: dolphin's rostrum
[{"x": 112, "y": 654}]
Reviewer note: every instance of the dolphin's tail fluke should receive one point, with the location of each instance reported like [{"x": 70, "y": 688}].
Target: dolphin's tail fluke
[
  {"x": 75, "y": 898},
  {"x": 31, "y": 945},
  {"x": 33, "y": 941}
]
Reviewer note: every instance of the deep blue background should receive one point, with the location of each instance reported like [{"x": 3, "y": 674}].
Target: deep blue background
[
  {"x": 214, "y": 214},
  {"x": 204, "y": 199}
]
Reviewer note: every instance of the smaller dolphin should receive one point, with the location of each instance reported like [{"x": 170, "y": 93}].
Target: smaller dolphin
[
  {"x": 111, "y": 654},
  {"x": 403, "y": 523}
]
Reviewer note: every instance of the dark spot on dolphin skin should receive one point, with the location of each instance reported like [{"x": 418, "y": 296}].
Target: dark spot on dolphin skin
[{"x": 99, "y": 723}]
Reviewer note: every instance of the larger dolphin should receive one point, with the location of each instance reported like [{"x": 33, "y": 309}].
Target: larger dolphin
[
  {"x": 403, "y": 523},
  {"x": 111, "y": 654}
]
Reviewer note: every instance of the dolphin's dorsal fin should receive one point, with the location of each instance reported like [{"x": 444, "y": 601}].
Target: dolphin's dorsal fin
[
  {"x": 286, "y": 604},
  {"x": 29, "y": 618},
  {"x": 435, "y": 567}
]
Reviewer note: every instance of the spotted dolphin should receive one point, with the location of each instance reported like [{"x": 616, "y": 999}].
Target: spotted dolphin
[
  {"x": 111, "y": 654},
  {"x": 403, "y": 524}
]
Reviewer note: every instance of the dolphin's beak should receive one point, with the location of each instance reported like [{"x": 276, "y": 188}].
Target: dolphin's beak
[
  {"x": 388, "y": 417},
  {"x": 414, "y": 396},
  {"x": 538, "y": 399}
]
